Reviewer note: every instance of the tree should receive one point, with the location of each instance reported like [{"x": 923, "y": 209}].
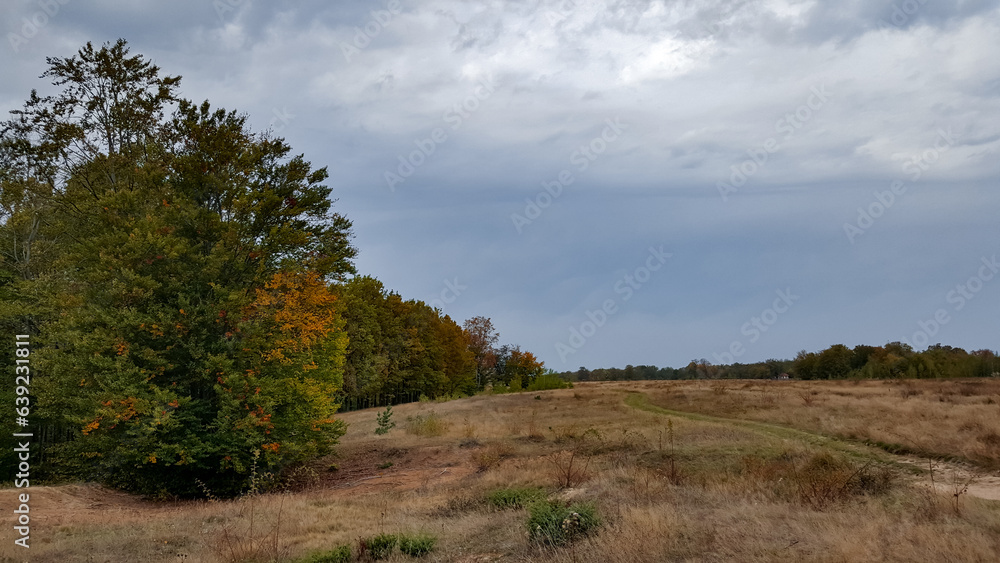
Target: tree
[
  {"x": 525, "y": 367},
  {"x": 861, "y": 355},
  {"x": 834, "y": 362},
  {"x": 517, "y": 369},
  {"x": 805, "y": 365},
  {"x": 399, "y": 350},
  {"x": 481, "y": 338},
  {"x": 178, "y": 271},
  {"x": 384, "y": 422}
]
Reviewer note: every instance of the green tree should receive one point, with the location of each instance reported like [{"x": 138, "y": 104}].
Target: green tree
[
  {"x": 805, "y": 365},
  {"x": 400, "y": 349},
  {"x": 384, "y": 421},
  {"x": 177, "y": 270},
  {"x": 834, "y": 362}
]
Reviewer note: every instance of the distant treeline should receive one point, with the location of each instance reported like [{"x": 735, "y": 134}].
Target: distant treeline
[
  {"x": 894, "y": 360},
  {"x": 699, "y": 369}
]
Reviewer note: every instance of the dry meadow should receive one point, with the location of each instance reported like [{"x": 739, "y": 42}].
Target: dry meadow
[{"x": 674, "y": 471}]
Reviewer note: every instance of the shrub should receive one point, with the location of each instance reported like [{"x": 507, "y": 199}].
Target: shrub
[
  {"x": 514, "y": 497},
  {"x": 458, "y": 505},
  {"x": 452, "y": 397},
  {"x": 342, "y": 554},
  {"x": 569, "y": 468},
  {"x": 426, "y": 425},
  {"x": 825, "y": 479},
  {"x": 489, "y": 456},
  {"x": 874, "y": 481},
  {"x": 820, "y": 479},
  {"x": 552, "y": 523},
  {"x": 377, "y": 547},
  {"x": 417, "y": 545},
  {"x": 548, "y": 381}
]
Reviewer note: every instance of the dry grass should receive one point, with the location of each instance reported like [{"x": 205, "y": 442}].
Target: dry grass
[
  {"x": 666, "y": 487},
  {"x": 949, "y": 419}
]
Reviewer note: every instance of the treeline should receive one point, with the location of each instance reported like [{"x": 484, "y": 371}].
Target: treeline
[
  {"x": 187, "y": 293},
  {"x": 699, "y": 369},
  {"x": 894, "y": 360},
  {"x": 399, "y": 351}
]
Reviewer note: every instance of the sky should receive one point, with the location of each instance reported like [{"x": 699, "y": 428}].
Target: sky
[{"x": 619, "y": 182}]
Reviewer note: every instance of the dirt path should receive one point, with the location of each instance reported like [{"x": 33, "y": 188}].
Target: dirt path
[
  {"x": 949, "y": 478},
  {"x": 952, "y": 478}
]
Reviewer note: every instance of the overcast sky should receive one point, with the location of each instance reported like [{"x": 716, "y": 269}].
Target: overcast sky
[{"x": 621, "y": 182}]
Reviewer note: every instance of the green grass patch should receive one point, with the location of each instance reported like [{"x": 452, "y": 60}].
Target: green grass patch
[
  {"x": 554, "y": 524},
  {"x": 341, "y": 554},
  {"x": 547, "y": 381},
  {"x": 377, "y": 547},
  {"x": 641, "y": 401},
  {"x": 417, "y": 545},
  {"x": 514, "y": 497}
]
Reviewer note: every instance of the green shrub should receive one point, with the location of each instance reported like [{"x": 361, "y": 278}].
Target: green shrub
[
  {"x": 514, "y": 497},
  {"x": 548, "y": 381},
  {"x": 426, "y": 425},
  {"x": 342, "y": 554},
  {"x": 454, "y": 396},
  {"x": 416, "y": 545},
  {"x": 552, "y": 523},
  {"x": 378, "y": 547}
]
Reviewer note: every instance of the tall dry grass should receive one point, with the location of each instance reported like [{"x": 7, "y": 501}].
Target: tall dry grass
[
  {"x": 951, "y": 419},
  {"x": 666, "y": 488}
]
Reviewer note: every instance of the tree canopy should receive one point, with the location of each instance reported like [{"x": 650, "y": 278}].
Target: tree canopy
[
  {"x": 174, "y": 269},
  {"x": 194, "y": 311}
]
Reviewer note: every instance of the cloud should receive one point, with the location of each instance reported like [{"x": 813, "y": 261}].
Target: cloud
[{"x": 702, "y": 87}]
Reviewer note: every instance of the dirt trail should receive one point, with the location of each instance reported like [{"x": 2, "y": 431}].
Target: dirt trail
[
  {"x": 952, "y": 478},
  {"x": 948, "y": 477}
]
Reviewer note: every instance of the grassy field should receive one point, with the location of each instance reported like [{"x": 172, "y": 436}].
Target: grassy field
[{"x": 614, "y": 471}]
